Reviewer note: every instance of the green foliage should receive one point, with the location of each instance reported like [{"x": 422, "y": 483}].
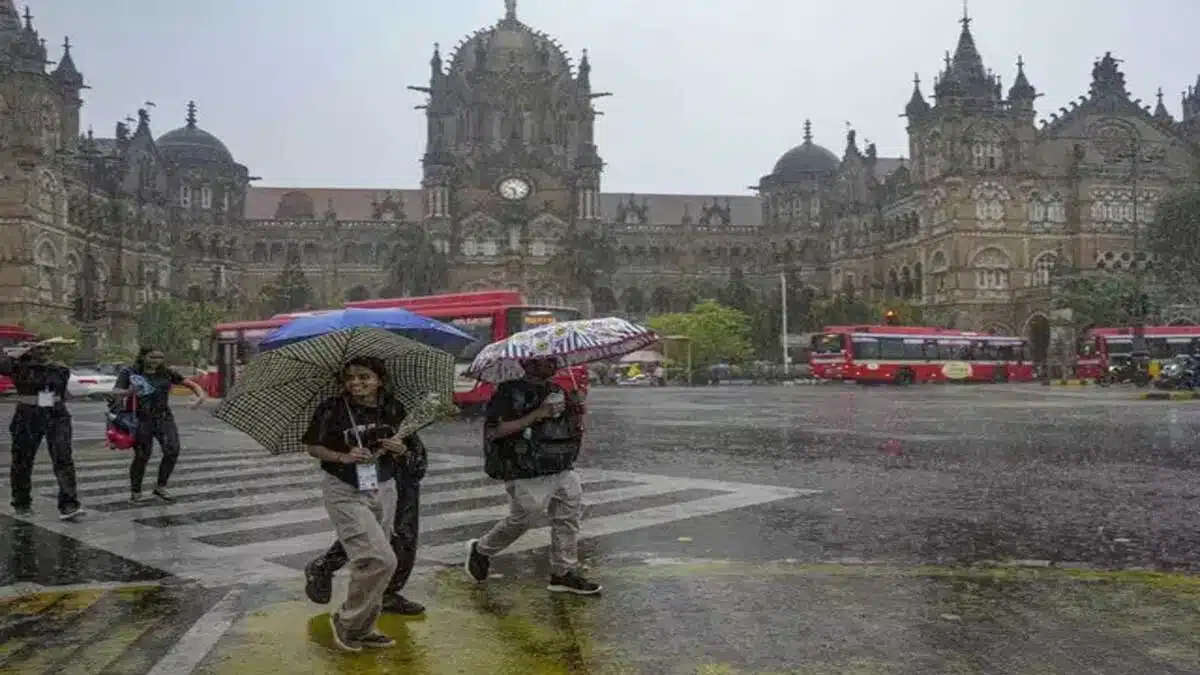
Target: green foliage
[
  {"x": 1175, "y": 238},
  {"x": 1102, "y": 301},
  {"x": 585, "y": 256},
  {"x": 291, "y": 290},
  {"x": 415, "y": 266},
  {"x": 46, "y": 329},
  {"x": 172, "y": 325},
  {"x": 716, "y": 332}
]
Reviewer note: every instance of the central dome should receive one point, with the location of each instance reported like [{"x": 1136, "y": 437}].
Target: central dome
[
  {"x": 805, "y": 159},
  {"x": 190, "y": 142},
  {"x": 509, "y": 44}
]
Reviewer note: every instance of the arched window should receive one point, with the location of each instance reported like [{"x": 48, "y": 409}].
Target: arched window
[
  {"x": 1043, "y": 268},
  {"x": 991, "y": 267}
]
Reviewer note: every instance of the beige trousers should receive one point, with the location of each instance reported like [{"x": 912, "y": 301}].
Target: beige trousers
[
  {"x": 363, "y": 522},
  {"x": 560, "y": 496}
]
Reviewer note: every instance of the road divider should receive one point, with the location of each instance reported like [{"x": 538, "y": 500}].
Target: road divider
[{"x": 1170, "y": 396}]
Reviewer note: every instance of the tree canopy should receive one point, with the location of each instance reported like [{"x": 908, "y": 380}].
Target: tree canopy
[
  {"x": 1107, "y": 300},
  {"x": 290, "y": 291},
  {"x": 1175, "y": 238},
  {"x": 177, "y": 326},
  {"x": 716, "y": 332}
]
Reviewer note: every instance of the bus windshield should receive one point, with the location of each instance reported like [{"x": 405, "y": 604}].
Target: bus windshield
[
  {"x": 481, "y": 327},
  {"x": 828, "y": 343}
]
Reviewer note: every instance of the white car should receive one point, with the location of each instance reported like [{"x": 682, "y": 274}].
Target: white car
[{"x": 89, "y": 383}]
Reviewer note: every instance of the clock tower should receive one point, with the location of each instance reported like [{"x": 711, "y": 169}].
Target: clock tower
[{"x": 510, "y": 165}]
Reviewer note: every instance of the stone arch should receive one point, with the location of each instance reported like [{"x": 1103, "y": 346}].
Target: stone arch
[
  {"x": 357, "y": 293},
  {"x": 938, "y": 262},
  {"x": 295, "y": 205},
  {"x": 276, "y": 253},
  {"x": 195, "y": 243},
  {"x": 992, "y": 266},
  {"x": 259, "y": 253},
  {"x": 45, "y": 256},
  {"x": 1043, "y": 267},
  {"x": 1183, "y": 320},
  {"x": 893, "y": 283},
  {"x": 604, "y": 301},
  {"x": 312, "y": 254},
  {"x": 1037, "y": 332},
  {"x": 633, "y": 300}
]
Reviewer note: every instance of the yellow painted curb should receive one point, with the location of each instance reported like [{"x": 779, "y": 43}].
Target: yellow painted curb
[{"x": 1170, "y": 396}]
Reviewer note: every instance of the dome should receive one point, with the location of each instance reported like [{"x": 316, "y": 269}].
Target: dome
[
  {"x": 510, "y": 44},
  {"x": 806, "y": 158},
  {"x": 190, "y": 142}
]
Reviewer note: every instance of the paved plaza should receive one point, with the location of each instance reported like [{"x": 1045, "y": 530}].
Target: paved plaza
[{"x": 824, "y": 529}]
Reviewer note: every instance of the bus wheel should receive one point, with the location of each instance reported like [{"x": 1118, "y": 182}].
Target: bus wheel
[{"x": 905, "y": 376}]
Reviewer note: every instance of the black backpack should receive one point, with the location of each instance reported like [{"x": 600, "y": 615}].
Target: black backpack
[{"x": 547, "y": 447}]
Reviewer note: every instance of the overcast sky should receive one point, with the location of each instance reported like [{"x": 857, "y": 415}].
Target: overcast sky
[{"x": 707, "y": 93}]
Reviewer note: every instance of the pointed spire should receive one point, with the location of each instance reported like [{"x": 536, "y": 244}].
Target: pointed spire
[
  {"x": 1160, "y": 111},
  {"x": 917, "y": 105},
  {"x": 510, "y": 10},
  {"x": 435, "y": 62},
  {"x": 1021, "y": 92},
  {"x": 66, "y": 73},
  {"x": 967, "y": 62},
  {"x": 28, "y": 19},
  {"x": 191, "y": 115},
  {"x": 851, "y": 141},
  {"x": 585, "y": 73},
  {"x": 808, "y": 137}
]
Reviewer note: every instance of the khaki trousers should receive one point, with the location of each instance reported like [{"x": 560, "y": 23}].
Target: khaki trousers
[
  {"x": 558, "y": 495},
  {"x": 363, "y": 523}
]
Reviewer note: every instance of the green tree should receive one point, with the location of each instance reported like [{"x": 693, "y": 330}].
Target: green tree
[
  {"x": 716, "y": 332},
  {"x": 738, "y": 294},
  {"x": 1175, "y": 239},
  {"x": 291, "y": 290},
  {"x": 1107, "y": 300},
  {"x": 181, "y": 328},
  {"x": 585, "y": 257}
]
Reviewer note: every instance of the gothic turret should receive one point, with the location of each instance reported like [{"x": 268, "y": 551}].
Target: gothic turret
[
  {"x": 1021, "y": 95},
  {"x": 965, "y": 81},
  {"x": 1191, "y": 102},
  {"x": 69, "y": 82},
  {"x": 1107, "y": 79},
  {"x": 1161, "y": 114},
  {"x": 917, "y": 107},
  {"x": 22, "y": 48}
]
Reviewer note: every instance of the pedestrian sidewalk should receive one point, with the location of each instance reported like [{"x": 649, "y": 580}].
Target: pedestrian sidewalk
[{"x": 728, "y": 618}]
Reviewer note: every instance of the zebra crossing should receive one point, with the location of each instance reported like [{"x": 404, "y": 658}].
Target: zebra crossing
[{"x": 241, "y": 516}]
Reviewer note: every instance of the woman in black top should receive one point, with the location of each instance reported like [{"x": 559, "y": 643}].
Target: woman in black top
[
  {"x": 153, "y": 380},
  {"x": 41, "y": 388},
  {"x": 353, "y": 436}
]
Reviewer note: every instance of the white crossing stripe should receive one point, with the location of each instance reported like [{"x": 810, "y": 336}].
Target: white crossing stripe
[{"x": 240, "y": 510}]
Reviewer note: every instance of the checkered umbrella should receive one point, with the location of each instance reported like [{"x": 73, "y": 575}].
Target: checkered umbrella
[
  {"x": 275, "y": 397},
  {"x": 570, "y": 343}
]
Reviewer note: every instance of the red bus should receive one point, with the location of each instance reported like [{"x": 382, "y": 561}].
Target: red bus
[
  {"x": 490, "y": 315},
  {"x": 911, "y": 354},
  {"x": 11, "y": 336},
  {"x": 1102, "y": 348}
]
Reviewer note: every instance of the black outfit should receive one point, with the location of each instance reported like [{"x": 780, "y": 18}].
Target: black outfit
[
  {"x": 546, "y": 447},
  {"x": 155, "y": 422},
  {"x": 31, "y": 423},
  {"x": 376, "y": 424}
]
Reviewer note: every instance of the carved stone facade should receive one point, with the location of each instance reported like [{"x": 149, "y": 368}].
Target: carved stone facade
[{"x": 970, "y": 225}]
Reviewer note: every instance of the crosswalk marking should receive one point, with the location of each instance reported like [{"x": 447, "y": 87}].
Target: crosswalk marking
[{"x": 241, "y": 516}]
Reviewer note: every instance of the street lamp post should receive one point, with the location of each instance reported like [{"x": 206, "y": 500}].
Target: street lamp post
[{"x": 86, "y": 308}]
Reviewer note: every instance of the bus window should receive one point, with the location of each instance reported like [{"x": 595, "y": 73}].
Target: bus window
[
  {"x": 829, "y": 343},
  {"x": 478, "y": 326},
  {"x": 1120, "y": 347},
  {"x": 891, "y": 348},
  {"x": 865, "y": 349},
  {"x": 1006, "y": 352},
  {"x": 914, "y": 350}
]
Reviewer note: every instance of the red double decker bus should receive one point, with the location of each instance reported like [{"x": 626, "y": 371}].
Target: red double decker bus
[
  {"x": 1104, "y": 348},
  {"x": 488, "y": 315},
  {"x": 911, "y": 354},
  {"x": 11, "y": 336}
]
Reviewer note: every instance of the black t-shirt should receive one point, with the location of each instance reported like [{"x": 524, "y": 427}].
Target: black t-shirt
[
  {"x": 331, "y": 427},
  {"x": 158, "y": 400},
  {"x": 546, "y": 447},
  {"x": 30, "y": 377}
]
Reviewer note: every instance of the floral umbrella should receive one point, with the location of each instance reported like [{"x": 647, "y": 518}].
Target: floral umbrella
[{"x": 570, "y": 343}]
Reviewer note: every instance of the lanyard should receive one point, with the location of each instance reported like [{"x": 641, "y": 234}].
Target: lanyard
[{"x": 354, "y": 422}]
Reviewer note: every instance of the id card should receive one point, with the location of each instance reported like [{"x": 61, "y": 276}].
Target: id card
[
  {"x": 45, "y": 399},
  {"x": 368, "y": 476}
]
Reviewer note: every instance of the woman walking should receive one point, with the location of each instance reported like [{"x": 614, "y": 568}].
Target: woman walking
[
  {"x": 148, "y": 385},
  {"x": 41, "y": 388},
  {"x": 352, "y": 435}
]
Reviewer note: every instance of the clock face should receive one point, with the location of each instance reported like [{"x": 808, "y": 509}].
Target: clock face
[{"x": 514, "y": 189}]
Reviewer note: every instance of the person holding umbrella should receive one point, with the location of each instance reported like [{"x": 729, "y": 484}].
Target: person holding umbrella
[
  {"x": 352, "y": 399},
  {"x": 41, "y": 388},
  {"x": 533, "y": 434}
]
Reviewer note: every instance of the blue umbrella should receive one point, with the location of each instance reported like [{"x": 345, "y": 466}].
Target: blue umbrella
[{"x": 401, "y": 321}]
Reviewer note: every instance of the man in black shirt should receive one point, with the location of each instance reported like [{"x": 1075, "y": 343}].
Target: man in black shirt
[
  {"x": 41, "y": 412},
  {"x": 533, "y": 434}
]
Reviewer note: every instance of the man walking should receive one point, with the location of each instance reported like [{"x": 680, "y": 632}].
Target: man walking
[
  {"x": 318, "y": 574},
  {"x": 533, "y": 433}
]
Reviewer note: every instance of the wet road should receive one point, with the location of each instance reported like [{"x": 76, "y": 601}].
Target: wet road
[{"x": 741, "y": 529}]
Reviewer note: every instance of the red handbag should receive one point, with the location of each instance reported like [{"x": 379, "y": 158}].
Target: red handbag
[{"x": 119, "y": 438}]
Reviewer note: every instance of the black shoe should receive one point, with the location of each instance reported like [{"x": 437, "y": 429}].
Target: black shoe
[
  {"x": 71, "y": 513},
  {"x": 342, "y": 638},
  {"x": 318, "y": 582},
  {"x": 394, "y": 603},
  {"x": 23, "y": 511},
  {"x": 571, "y": 582},
  {"x": 477, "y": 564}
]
